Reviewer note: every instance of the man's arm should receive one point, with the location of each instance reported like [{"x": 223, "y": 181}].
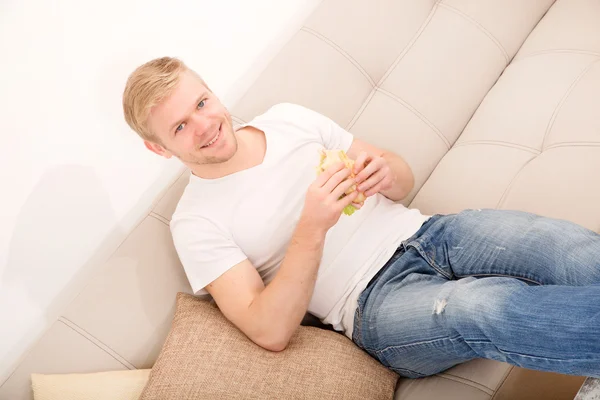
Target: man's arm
[
  {"x": 270, "y": 315},
  {"x": 397, "y": 179}
]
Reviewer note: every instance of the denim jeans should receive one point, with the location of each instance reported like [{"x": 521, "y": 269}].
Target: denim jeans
[{"x": 505, "y": 285}]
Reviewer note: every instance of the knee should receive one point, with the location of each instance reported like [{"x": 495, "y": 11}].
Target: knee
[{"x": 472, "y": 303}]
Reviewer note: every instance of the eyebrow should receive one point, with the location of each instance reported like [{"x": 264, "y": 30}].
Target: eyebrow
[{"x": 180, "y": 120}]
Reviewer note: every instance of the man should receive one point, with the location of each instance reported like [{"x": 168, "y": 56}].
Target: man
[{"x": 419, "y": 293}]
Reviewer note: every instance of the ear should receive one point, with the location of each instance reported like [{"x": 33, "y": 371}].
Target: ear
[{"x": 158, "y": 149}]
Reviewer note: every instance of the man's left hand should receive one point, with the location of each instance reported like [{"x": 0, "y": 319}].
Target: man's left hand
[{"x": 373, "y": 174}]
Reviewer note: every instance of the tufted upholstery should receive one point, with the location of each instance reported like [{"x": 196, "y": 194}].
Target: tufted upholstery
[{"x": 494, "y": 103}]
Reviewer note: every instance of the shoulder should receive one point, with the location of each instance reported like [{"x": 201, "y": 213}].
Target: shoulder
[
  {"x": 293, "y": 121},
  {"x": 293, "y": 111},
  {"x": 190, "y": 209},
  {"x": 290, "y": 113},
  {"x": 194, "y": 229}
]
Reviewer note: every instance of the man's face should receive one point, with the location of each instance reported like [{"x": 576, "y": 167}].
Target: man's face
[{"x": 192, "y": 125}]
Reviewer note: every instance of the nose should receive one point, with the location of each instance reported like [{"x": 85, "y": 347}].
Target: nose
[{"x": 201, "y": 124}]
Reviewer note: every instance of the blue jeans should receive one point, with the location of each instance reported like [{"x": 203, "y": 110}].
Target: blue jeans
[{"x": 505, "y": 285}]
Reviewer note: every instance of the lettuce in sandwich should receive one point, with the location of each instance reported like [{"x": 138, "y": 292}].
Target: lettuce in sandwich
[{"x": 330, "y": 157}]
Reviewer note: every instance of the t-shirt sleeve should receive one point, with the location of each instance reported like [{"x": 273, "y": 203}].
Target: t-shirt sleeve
[
  {"x": 205, "y": 251},
  {"x": 330, "y": 133}
]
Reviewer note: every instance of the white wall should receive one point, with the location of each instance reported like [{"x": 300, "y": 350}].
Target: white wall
[{"x": 74, "y": 178}]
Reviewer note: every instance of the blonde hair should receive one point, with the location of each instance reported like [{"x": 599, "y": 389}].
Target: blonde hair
[{"x": 146, "y": 87}]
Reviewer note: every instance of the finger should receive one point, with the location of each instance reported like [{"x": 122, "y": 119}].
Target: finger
[
  {"x": 359, "y": 164},
  {"x": 368, "y": 171},
  {"x": 385, "y": 183},
  {"x": 372, "y": 181},
  {"x": 342, "y": 188},
  {"x": 336, "y": 179},
  {"x": 328, "y": 173},
  {"x": 357, "y": 205},
  {"x": 346, "y": 200},
  {"x": 374, "y": 190}
]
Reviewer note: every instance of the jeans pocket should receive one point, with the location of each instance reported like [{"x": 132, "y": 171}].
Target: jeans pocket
[{"x": 435, "y": 256}]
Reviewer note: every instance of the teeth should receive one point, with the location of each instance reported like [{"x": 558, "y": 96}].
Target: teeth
[{"x": 212, "y": 141}]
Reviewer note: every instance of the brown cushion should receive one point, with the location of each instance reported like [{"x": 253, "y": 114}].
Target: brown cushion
[{"x": 206, "y": 356}]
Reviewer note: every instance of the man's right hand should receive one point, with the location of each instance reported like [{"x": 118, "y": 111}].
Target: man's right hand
[{"x": 323, "y": 205}]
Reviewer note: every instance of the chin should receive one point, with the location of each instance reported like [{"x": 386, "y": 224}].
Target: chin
[
  {"x": 223, "y": 155},
  {"x": 229, "y": 150}
]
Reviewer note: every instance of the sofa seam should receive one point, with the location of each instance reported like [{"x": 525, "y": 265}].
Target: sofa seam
[
  {"x": 237, "y": 120},
  {"x": 499, "y": 143},
  {"x": 97, "y": 268},
  {"x": 573, "y": 144},
  {"x": 164, "y": 194},
  {"x": 504, "y": 379},
  {"x": 480, "y": 27},
  {"x": 418, "y": 114},
  {"x": 409, "y": 46},
  {"x": 362, "y": 108},
  {"x": 341, "y": 51},
  {"x": 555, "y": 51},
  {"x": 564, "y": 98},
  {"x": 377, "y": 86},
  {"x": 512, "y": 182},
  {"x": 548, "y": 128},
  {"x": 159, "y": 217},
  {"x": 96, "y": 342},
  {"x": 468, "y": 382}
]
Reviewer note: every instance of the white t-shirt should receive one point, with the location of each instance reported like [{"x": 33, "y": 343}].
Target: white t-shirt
[{"x": 252, "y": 214}]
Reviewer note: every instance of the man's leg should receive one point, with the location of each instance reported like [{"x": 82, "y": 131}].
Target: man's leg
[
  {"x": 453, "y": 296},
  {"x": 537, "y": 249}
]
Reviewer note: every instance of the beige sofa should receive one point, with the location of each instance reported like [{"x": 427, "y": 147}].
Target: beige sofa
[{"x": 494, "y": 103}]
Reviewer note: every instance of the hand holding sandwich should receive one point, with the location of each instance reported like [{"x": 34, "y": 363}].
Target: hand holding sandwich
[
  {"x": 331, "y": 157},
  {"x": 326, "y": 197},
  {"x": 373, "y": 174}
]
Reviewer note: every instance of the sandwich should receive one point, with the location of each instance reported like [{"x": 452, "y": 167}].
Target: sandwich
[{"x": 330, "y": 157}]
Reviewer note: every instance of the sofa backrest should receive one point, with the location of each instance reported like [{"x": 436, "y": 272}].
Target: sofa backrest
[
  {"x": 424, "y": 78},
  {"x": 533, "y": 144}
]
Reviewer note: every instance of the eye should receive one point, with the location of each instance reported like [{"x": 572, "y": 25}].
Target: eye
[
  {"x": 201, "y": 104},
  {"x": 180, "y": 127}
]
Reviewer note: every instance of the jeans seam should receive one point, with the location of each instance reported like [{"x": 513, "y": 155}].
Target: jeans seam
[
  {"x": 399, "y": 371},
  {"x": 431, "y": 262},
  {"x": 358, "y": 325},
  {"x": 512, "y": 353},
  {"x": 418, "y": 343},
  {"x": 500, "y": 275}
]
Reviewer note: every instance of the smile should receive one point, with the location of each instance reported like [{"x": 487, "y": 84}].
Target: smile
[{"x": 213, "y": 140}]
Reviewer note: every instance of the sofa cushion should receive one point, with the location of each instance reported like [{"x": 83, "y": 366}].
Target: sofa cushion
[
  {"x": 130, "y": 303},
  {"x": 533, "y": 144},
  {"x": 108, "y": 385},
  {"x": 206, "y": 356},
  {"x": 406, "y": 76},
  {"x": 379, "y": 70}
]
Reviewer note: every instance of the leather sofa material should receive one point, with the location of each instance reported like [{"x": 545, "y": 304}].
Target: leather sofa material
[{"x": 493, "y": 104}]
